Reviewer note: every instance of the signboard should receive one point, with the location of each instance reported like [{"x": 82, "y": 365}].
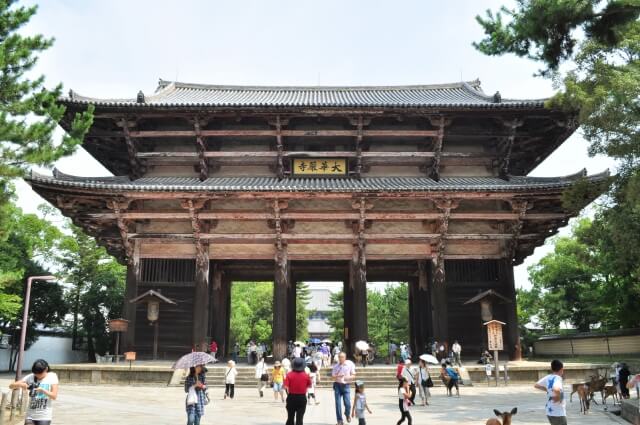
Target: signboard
[
  {"x": 319, "y": 167},
  {"x": 118, "y": 325},
  {"x": 494, "y": 335},
  {"x": 130, "y": 356}
]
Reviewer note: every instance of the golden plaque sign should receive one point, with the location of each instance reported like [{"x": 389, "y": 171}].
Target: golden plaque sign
[
  {"x": 494, "y": 335},
  {"x": 319, "y": 167}
]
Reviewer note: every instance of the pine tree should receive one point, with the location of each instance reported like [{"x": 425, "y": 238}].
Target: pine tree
[{"x": 29, "y": 112}]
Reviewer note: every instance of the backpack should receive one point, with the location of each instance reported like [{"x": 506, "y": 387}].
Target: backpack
[{"x": 452, "y": 373}]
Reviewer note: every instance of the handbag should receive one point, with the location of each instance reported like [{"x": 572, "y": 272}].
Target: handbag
[
  {"x": 429, "y": 382},
  {"x": 264, "y": 377},
  {"x": 192, "y": 397}
]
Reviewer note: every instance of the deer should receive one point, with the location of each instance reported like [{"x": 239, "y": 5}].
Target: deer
[
  {"x": 584, "y": 395},
  {"x": 597, "y": 386},
  {"x": 505, "y": 416},
  {"x": 610, "y": 390}
]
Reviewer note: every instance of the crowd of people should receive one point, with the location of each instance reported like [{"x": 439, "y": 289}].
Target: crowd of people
[{"x": 294, "y": 380}]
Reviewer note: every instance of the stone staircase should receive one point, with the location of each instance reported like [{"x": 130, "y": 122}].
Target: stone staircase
[{"x": 373, "y": 376}]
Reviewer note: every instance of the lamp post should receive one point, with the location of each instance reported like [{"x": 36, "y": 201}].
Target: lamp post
[{"x": 25, "y": 316}]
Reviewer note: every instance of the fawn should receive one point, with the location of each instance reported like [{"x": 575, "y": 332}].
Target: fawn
[
  {"x": 505, "y": 416},
  {"x": 584, "y": 395},
  {"x": 610, "y": 391}
]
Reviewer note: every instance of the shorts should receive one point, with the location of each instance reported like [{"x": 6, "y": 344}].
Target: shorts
[
  {"x": 557, "y": 420},
  {"x": 277, "y": 387}
]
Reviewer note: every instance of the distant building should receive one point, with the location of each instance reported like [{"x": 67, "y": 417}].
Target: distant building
[{"x": 319, "y": 307}]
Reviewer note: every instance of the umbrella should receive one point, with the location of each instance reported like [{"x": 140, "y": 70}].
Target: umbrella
[
  {"x": 300, "y": 343},
  {"x": 327, "y": 341},
  {"x": 429, "y": 359},
  {"x": 315, "y": 340},
  {"x": 192, "y": 359},
  {"x": 362, "y": 345}
]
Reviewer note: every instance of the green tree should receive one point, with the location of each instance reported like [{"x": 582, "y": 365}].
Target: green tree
[
  {"x": 25, "y": 242},
  {"x": 29, "y": 112},
  {"x": 251, "y": 312},
  {"x": 303, "y": 296},
  {"x": 97, "y": 294},
  {"x": 599, "y": 44},
  {"x": 388, "y": 315},
  {"x": 335, "y": 318}
]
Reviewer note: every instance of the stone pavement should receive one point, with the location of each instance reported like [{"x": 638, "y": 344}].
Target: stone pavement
[{"x": 125, "y": 405}]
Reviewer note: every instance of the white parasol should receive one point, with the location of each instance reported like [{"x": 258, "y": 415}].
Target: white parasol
[
  {"x": 300, "y": 343},
  {"x": 362, "y": 345},
  {"x": 429, "y": 359}
]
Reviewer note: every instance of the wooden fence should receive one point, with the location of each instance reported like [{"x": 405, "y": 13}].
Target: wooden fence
[
  {"x": 13, "y": 407},
  {"x": 615, "y": 343}
]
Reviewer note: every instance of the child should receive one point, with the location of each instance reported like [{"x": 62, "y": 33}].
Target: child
[
  {"x": 404, "y": 401},
  {"x": 277, "y": 379},
  {"x": 230, "y": 379},
  {"x": 313, "y": 374},
  {"x": 360, "y": 403}
]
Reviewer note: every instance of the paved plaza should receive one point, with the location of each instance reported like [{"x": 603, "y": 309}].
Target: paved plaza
[{"x": 129, "y": 405}]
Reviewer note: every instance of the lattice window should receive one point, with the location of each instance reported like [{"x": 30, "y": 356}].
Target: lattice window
[{"x": 167, "y": 271}]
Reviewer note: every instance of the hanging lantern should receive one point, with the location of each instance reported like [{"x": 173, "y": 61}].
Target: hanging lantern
[{"x": 153, "y": 310}]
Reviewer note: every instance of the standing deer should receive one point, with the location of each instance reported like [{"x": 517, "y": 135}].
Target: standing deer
[
  {"x": 584, "y": 395},
  {"x": 505, "y": 416},
  {"x": 610, "y": 391}
]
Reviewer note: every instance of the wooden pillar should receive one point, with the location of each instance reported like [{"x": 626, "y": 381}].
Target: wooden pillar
[
  {"x": 424, "y": 302},
  {"x": 359, "y": 324},
  {"x": 129, "y": 309},
  {"x": 291, "y": 312},
  {"x": 227, "y": 318},
  {"x": 220, "y": 293},
  {"x": 281, "y": 290},
  {"x": 439, "y": 310},
  {"x": 512, "y": 347},
  {"x": 201, "y": 300}
]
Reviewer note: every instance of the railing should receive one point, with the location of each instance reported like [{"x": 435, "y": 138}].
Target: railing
[{"x": 13, "y": 406}]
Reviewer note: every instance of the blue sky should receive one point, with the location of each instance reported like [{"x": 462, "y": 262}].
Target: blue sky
[{"x": 115, "y": 48}]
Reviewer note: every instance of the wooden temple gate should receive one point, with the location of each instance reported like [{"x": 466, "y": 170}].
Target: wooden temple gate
[{"x": 420, "y": 184}]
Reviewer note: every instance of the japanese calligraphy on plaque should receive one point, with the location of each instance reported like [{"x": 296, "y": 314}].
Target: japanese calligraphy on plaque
[
  {"x": 494, "y": 335},
  {"x": 319, "y": 167}
]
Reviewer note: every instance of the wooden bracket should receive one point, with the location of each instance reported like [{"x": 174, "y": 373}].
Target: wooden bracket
[
  {"x": 505, "y": 163},
  {"x": 445, "y": 205},
  {"x": 201, "y": 147},
  {"x": 519, "y": 206},
  {"x": 440, "y": 122},
  {"x": 135, "y": 167}
]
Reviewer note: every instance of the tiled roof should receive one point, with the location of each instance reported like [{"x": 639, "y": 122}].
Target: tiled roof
[
  {"x": 175, "y": 94},
  {"x": 272, "y": 184}
]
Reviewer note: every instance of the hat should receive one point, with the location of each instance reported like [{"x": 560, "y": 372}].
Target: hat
[
  {"x": 359, "y": 383},
  {"x": 298, "y": 364},
  {"x": 408, "y": 361},
  {"x": 277, "y": 364}
]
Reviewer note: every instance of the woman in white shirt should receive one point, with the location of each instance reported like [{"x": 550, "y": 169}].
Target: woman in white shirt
[
  {"x": 262, "y": 375},
  {"x": 230, "y": 374},
  {"x": 422, "y": 378}
]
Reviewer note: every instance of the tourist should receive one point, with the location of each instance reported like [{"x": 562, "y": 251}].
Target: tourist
[
  {"x": 456, "y": 348},
  {"x": 399, "y": 369},
  {"x": 623, "y": 377},
  {"x": 409, "y": 376},
  {"x": 424, "y": 382},
  {"x": 442, "y": 351},
  {"x": 450, "y": 377},
  {"x": 297, "y": 351},
  {"x": 286, "y": 365},
  {"x": 486, "y": 357},
  {"x": 253, "y": 352},
  {"x": 403, "y": 352},
  {"x": 230, "y": 374},
  {"x": 213, "y": 350},
  {"x": 43, "y": 389},
  {"x": 343, "y": 373},
  {"x": 315, "y": 378},
  {"x": 434, "y": 348},
  {"x": 296, "y": 382},
  {"x": 360, "y": 404},
  {"x": 195, "y": 386},
  {"x": 635, "y": 383},
  {"x": 393, "y": 348},
  {"x": 262, "y": 375},
  {"x": 236, "y": 352},
  {"x": 277, "y": 380},
  {"x": 326, "y": 354},
  {"x": 404, "y": 401},
  {"x": 555, "y": 407},
  {"x": 336, "y": 352}
]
